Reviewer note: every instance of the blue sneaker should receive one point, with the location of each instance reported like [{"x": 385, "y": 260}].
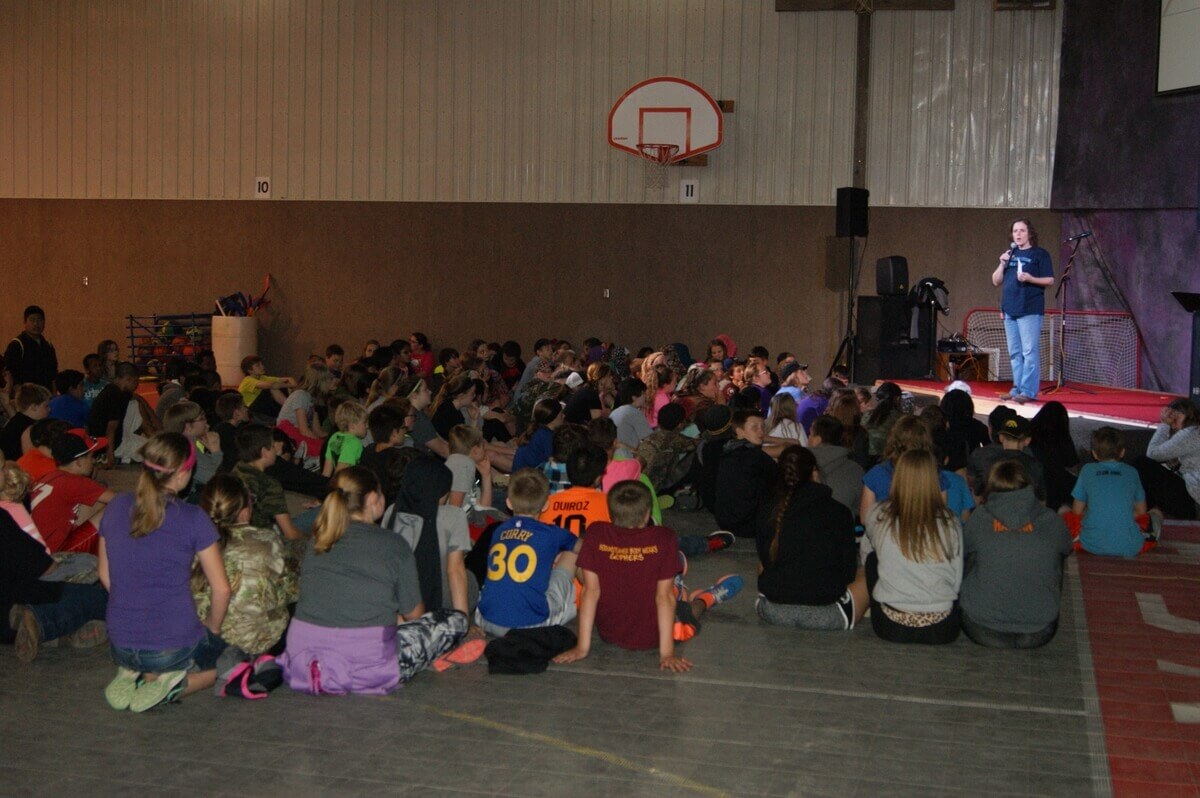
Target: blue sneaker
[
  {"x": 723, "y": 589},
  {"x": 681, "y": 590}
]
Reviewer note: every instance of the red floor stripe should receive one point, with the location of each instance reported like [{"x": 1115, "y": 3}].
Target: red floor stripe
[{"x": 1149, "y": 752}]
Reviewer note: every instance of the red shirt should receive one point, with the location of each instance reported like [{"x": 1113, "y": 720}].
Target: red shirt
[
  {"x": 629, "y": 563},
  {"x": 423, "y": 364},
  {"x": 36, "y": 464},
  {"x": 53, "y": 500}
]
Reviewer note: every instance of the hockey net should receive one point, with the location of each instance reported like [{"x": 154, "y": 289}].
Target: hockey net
[{"x": 1102, "y": 347}]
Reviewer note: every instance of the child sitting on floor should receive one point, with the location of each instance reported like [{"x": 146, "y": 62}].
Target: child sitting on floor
[
  {"x": 39, "y": 461},
  {"x": 531, "y": 565},
  {"x": 745, "y": 475},
  {"x": 1013, "y": 551},
  {"x": 1109, "y": 514},
  {"x": 256, "y": 452},
  {"x": 231, "y": 414},
  {"x": 149, "y": 541},
  {"x": 631, "y": 594},
  {"x": 468, "y": 457},
  {"x": 535, "y": 446},
  {"x": 387, "y": 425},
  {"x": 666, "y": 451},
  {"x": 187, "y": 419},
  {"x": 298, "y": 416},
  {"x": 583, "y": 504},
  {"x": 14, "y": 484},
  {"x": 33, "y": 404},
  {"x": 67, "y": 504},
  {"x": 567, "y": 439},
  {"x": 69, "y": 404},
  {"x": 263, "y": 584},
  {"x": 345, "y": 447},
  {"x": 360, "y": 624},
  {"x": 262, "y": 395}
]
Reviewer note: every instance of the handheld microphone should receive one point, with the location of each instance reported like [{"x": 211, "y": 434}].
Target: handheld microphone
[{"x": 1076, "y": 238}]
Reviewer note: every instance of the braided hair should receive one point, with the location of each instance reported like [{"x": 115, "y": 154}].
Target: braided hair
[{"x": 796, "y": 467}]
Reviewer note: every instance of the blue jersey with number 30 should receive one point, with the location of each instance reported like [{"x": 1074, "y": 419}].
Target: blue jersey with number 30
[{"x": 520, "y": 561}]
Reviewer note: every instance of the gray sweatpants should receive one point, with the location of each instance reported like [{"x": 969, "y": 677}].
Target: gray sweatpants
[{"x": 560, "y": 595}]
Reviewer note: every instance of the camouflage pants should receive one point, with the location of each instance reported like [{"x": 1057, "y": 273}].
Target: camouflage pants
[{"x": 420, "y": 642}]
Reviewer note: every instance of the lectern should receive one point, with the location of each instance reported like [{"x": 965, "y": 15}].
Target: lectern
[{"x": 1191, "y": 303}]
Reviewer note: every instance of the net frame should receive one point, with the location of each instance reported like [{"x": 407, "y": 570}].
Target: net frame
[
  {"x": 658, "y": 158},
  {"x": 1104, "y": 347}
]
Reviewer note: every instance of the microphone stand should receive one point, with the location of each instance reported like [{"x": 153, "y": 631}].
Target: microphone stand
[{"x": 1061, "y": 294}]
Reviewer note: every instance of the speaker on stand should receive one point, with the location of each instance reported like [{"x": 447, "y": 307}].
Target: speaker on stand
[{"x": 851, "y": 223}]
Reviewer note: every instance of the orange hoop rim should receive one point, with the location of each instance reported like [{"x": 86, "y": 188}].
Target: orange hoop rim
[{"x": 661, "y": 154}]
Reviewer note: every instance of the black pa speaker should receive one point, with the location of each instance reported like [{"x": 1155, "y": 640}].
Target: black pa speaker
[
  {"x": 885, "y": 347},
  {"x": 852, "y": 212},
  {"x": 891, "y": 276}
]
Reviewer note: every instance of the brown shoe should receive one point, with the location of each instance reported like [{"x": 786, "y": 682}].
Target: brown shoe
[
  {"x": 1019, "y": 399},
  {"x": 21, "y": 620},
  {"x": 92, "y": 633}
]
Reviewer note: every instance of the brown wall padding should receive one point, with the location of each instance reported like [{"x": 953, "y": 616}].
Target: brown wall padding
[{"x": 348, "y": 271}]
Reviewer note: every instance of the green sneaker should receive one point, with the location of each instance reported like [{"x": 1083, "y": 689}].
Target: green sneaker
[
  {"x": 166, "y": 688},
  {"x": 120, "y": 690}
]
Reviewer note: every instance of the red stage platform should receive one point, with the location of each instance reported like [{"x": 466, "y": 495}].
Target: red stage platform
[{"x": 1096, "y": 402}]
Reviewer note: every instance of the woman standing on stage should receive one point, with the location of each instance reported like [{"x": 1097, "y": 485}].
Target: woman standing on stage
[{"x": 1025, "y": 271}]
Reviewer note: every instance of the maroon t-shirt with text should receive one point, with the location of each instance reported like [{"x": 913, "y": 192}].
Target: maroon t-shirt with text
[{"x": 629, "y": 564}]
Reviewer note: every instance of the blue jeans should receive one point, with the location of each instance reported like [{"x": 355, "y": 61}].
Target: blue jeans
[
  {"x": 693, "y": 545},
  {"x": 78, "y": 605},
  {"x": 200, "y": 657},
  {"x": 1023, "y": 336}
]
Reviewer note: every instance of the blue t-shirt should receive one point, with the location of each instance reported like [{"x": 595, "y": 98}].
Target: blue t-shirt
[
  {"x": 958, "y": 494},
  {"x": 1024, "y": 299},
  {"x": 536, "y": 452},
  {"x": 520, "y": 561},
  {"x": 69, "y": 409},
  {"x": 1110, "y": 489}
]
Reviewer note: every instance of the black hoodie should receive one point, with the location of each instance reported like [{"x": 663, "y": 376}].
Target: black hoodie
[
  {"x": 744, "y": 480},
  {"x": 818, "y": 553}
]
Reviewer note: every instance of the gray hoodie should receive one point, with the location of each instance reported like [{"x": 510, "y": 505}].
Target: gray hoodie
[
  {"x": 840, "y": 473},
  {"x": 1013, "y": 550}
]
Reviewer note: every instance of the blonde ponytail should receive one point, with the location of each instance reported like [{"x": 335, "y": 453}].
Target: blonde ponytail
[{"x": 351, "y": 486}]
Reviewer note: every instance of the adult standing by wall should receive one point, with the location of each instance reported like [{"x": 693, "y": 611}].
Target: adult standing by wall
[
  {"x": 1025, "y": 272},
  {"x": 30, "y": 357}
]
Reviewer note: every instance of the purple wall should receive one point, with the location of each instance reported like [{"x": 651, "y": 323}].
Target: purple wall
[
  {"x": 1127, "y": 167},
  {"x": 1118, "y": 145}
]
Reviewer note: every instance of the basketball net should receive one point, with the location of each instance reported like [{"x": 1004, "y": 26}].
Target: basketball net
[{"x": 658, "y": 159}]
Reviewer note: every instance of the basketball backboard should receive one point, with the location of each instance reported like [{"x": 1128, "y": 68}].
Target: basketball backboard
[{"x": 665, "y": 111}]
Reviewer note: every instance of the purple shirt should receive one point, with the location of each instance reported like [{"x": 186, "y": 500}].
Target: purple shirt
[
  {"x": 809, "y": 408},
  {"x": 150, "y": 603}
]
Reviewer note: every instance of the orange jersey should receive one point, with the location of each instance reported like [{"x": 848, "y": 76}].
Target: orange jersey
[{"x": 575, "y": 509}]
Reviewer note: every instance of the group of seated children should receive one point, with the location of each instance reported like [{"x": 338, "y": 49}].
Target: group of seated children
[{"x": 410, "y": 560}]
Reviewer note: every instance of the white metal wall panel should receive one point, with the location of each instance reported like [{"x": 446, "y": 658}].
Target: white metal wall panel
[
  {"x": 507, "y": 100},
  {"x": 963, "y": 107}
]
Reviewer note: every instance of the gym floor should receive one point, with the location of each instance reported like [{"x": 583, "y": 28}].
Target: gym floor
[{"x": 765, "y": 711}]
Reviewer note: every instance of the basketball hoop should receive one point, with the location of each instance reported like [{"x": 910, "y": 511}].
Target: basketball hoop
[{"x": 658, "y": 158}]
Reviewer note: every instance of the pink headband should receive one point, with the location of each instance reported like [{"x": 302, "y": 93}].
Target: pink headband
[{"x": 188, "y": 464}]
